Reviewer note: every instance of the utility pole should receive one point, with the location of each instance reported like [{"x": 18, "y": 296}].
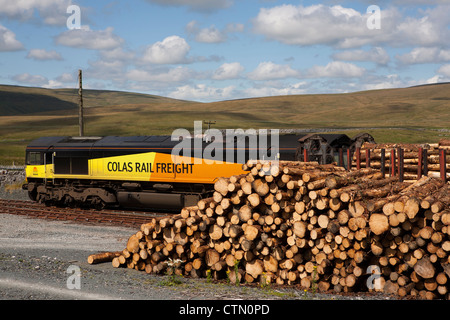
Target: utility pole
[
  {"x": 80, "y": 104},
  {"x": 209, "y": 123}
]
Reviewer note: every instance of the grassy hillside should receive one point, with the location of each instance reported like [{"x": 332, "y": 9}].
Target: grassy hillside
[
  {"x": 415, "y": 114},
  {"x": 17, "y": 100}
]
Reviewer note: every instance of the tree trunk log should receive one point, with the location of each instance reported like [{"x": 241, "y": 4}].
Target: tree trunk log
[{"x": 103, "y": 257}]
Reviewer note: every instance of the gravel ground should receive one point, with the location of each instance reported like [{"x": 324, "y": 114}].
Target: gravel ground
[{"x": 38, "y": 259}]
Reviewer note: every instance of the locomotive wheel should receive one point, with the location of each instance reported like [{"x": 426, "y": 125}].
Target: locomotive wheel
[
  {"x": 43, "y": 198},
  {"x": 32, "y": 195},
  {"x": 69, "y": 201},
  {"x": 97, "y": 203}
]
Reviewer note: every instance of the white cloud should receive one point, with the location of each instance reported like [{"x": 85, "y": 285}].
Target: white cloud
[
  {"x": 53, "y": 12},
  {"x": 207, "y": 35},
  {"x": 228, "y": 71},
  {"x": 428, "y": 30},
  {"x": 269, "y": 71},
  {"x": 53, "y": 84},
  {"x": 347, "y": 28},
  {"x": 26, "y": 78},
  {"x": 212, "y": 34},
  {"x": 105, "y": 69},
  {"x": 444, "y": 70},
  {"x": 385, "y": 82},
  {"x": 66, "y": 77},
  {"x": 336, "y": 69},
  {"x": 42, "y": 54},
  {"x": 117, "y": 54},
  {"x": 316, "y": 24},
  {"x": 8, "y": 41},
  {"x": 44, "y": 82},
  {"x": 376, "y": 82},
  {"x": 376, "y": 54},
  {"x": 197, "y": 5},
  {"x": 424, "y": 55},
  {"x": 296, "y": 88},
  {"x": 172, "y": 50},
  {"x": 415, "y": 2},
  {"x": 202, "y": 92},
  {"x": 111, "y": 65},
  {"x": 177, "y": 74},
  {"x": 90, "y": 39},
  {"x": 434, "y": 79}
]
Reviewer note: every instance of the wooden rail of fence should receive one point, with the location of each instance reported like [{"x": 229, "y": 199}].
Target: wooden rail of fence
[{"x": 396, "y": 162}]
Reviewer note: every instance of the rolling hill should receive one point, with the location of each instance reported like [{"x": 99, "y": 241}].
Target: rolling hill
[
  {"x": 18, "y": 100},
  {"x": 415, "y": 114}
]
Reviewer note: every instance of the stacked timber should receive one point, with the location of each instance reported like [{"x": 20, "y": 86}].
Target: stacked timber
[
  {"x": 313, "y": 225},
  {"x": 411, "y": 158}
]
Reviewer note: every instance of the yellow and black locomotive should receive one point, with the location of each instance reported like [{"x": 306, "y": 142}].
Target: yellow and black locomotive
[{"x": 139, "y": 171}]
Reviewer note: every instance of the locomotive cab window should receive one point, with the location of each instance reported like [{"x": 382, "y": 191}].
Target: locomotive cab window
[
  {"x": 71, "y": 165},
  {"x": 34, "y": 158},
  {"x": 48, "y": 158}
]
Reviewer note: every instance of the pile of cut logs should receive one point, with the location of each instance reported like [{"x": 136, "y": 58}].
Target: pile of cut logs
[
  {"x": 418, "y": 159},
  {"x": 317, "y": 226}
]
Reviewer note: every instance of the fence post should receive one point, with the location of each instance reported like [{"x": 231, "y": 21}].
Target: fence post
[
  {"x": 420, "y": 164},
  {"x": 392, "y": 171},
  {"x": 442, "y": 164},
  {"x": 367, "y": 158},
  {"x": 358, "y": 158},
  {"x": 305, "y": 155},
  {"x": 425, "y": 162},
  {"x": 383, "y": 159},
  {"x": 349, "y": 160},
  {"x": 400, "y": 165}
]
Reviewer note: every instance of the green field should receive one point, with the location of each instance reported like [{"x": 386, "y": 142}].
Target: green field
[{"x": 412, "y": 115}]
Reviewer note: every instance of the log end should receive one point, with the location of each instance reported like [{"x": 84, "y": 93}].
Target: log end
[{"x": 378, "y": 223}]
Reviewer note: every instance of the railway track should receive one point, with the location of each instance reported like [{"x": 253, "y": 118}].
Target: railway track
[{"x": 86, "y": 216}]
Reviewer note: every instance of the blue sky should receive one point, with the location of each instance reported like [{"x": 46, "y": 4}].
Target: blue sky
[{"x": 210, "y": 50}]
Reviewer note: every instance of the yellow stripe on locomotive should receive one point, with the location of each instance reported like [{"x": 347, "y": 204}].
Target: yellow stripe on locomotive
[{"x": 150, "y": 166}]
